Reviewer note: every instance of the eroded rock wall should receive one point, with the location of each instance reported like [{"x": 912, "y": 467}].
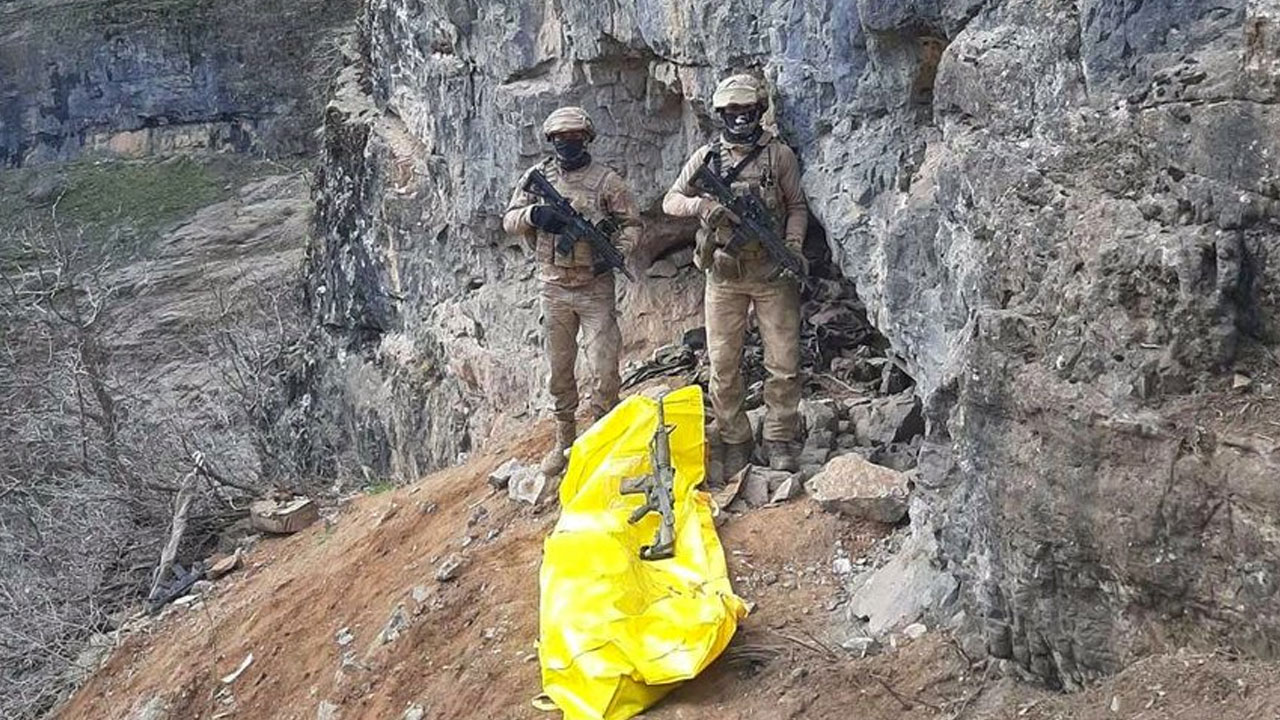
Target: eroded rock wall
[
  {"x": 144, "y": 77},
  {"x": 1061, "y": 214}
]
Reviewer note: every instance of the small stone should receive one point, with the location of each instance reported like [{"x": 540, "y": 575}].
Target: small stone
[
  {"x": 420, "y": 594},
  {"x": 415, "y": 712},
  {"x": 327, "y": 711},
  {"x": 915, "y": 631},
  {"x": 449, "y": 568},
  {"x": 755, "y": 488},
  {"x": 861, "y": 646},
  {"x": 850, "y": 485},
  {"x": 201, "y": 587},
  {"x": 344, "y": 637},
  {"x": 224, "y": 567},
  {"x": 789, "y": 489},
  {"x": 396, "y": 624},
  {"x": 1240, "y": 381},
  {"x": 842, "y": 566},
  {"x": 492, "y": 534},
  {"x": 819, "y": 416},
  {"x": 885, "y": 420},
  {"x": 389, "y": 513},
  {"x": 477, "y": 516}
]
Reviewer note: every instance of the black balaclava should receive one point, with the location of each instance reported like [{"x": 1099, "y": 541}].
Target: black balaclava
[
  {"x": 571, "y": 153},
  {"x": 742, "y": 127}
]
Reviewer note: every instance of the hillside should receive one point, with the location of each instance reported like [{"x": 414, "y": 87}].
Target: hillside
[{"x": 314, "y": 610}]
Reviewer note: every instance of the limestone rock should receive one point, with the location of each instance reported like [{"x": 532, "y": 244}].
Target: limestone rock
[
  {"x": 902, "y": 591},
  {"x": 396, "y": 623},
  {"x": 449, "y": 568},
  {"x": 500, "y": 478},
  {"x": 530, "y": 485},
  {"x": 755, "y": 486},
  {"x": 283, "y": 517},
  {"x": 885, "y": 420},
  {"x": 224, "y": 567},
  {"x": 853, "y": 486},
  {"x": 789, "y": 489}
]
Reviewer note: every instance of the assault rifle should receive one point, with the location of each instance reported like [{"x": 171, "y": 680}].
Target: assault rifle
[
  {"x": 578, "y": 228},
  {"x": 756, "y": 222},
  {"x": 658, "y": 488}
]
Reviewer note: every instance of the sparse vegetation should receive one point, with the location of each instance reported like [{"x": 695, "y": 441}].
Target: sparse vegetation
[{"x": 123, "y": 205}]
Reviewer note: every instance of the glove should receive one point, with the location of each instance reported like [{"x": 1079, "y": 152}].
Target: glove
[
  {"x": 804, "y": 267},
  {"x": 717, "y": 215},
  {"x": 548, "y": 219}
]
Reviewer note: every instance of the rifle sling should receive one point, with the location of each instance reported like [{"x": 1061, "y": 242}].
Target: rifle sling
[{"x": 730, "y": 177}]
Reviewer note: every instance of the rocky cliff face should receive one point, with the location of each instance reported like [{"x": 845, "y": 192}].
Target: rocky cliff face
[
  {"x": 140, "y": 77},
  {"x": 1061, "y": 214}
]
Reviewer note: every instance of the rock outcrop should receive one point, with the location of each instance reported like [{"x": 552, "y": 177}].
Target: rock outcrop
[
  {"x": 1060, "y": 214},
  {"x": 143, "y": 77}
]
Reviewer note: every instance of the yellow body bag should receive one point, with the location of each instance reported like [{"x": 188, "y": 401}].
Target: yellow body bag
[{"x": 617, "y": 633}]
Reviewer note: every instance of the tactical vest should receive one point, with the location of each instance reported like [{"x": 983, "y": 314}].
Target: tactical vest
[
  {"x": 584, "y": 189},
  {"x": 760, "y": 177}
]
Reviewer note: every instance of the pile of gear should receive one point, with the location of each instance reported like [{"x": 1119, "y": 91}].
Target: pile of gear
[{"x": 842, "y": 356}]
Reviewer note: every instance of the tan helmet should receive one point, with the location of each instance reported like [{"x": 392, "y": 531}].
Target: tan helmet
[
  {"x": 569, "y": 119},
  {"x": 738, "y": 90}
]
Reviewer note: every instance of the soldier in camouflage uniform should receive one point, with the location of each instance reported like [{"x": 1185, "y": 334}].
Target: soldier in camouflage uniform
[
  {"x": 574, "y": 296},
  {"x": 751, "y": 160}
]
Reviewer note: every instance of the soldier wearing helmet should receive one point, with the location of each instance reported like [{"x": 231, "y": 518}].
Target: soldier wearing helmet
[
  {"x": 751, "y": 160},
  {"x": 575, "y": 297}
]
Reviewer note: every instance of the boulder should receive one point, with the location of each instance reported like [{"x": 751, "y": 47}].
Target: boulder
[{"x": 850, "y": 485}]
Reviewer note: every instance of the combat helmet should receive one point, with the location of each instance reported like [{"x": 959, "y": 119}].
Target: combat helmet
[
  {"x": 741, "y": 89},
  {"x": 568, "y": 119}
]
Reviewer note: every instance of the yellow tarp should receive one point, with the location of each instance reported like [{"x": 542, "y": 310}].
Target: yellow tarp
[{"x": 617, "y": 632}]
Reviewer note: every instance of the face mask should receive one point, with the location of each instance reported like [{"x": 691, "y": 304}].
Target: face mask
[
  {"x": 571, "y": 152},
  {"x": 741, "y": 125}
]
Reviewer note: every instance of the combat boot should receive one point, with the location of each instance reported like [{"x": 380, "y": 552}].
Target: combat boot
[
  {"x": 558, "y": 456},
  {"x": 736, "y": 457},
  {"x": 782, "y": 455}
]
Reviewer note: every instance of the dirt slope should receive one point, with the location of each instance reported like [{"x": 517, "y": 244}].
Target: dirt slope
[{"x": 467, "y": 647}]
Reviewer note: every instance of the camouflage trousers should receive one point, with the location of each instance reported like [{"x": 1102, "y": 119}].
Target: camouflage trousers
[
  {"x": 777, "y": 309},
  {"x": 592, "y": 310}
]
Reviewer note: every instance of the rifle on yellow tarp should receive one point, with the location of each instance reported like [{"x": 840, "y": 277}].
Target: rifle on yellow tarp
[{"x": 658, "y": 487}]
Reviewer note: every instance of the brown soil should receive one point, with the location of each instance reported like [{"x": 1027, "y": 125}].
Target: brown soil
[{"x": 468, "y": 650}]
